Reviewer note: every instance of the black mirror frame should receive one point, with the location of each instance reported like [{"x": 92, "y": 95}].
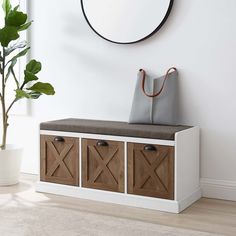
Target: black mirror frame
[{"x": 146, "y": 37}]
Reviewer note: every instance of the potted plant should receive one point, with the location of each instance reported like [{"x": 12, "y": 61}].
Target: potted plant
[{"x": 11, "y": 50}]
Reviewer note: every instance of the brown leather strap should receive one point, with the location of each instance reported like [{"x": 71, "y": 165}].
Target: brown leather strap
[{"x": 163, "y": 84}]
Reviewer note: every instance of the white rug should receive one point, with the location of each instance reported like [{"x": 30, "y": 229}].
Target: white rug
[
  {"x": 23, "y": 212},
  {"x": 53, "y": 220}
]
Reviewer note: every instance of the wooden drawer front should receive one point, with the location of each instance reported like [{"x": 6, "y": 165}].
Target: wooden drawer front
[
  {"x": 151, "y": 172},
  {"x": 59, "y": 161},
  {"x": 103, "y": 165}
]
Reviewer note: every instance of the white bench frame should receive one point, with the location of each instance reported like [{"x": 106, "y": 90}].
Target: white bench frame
[{"x": 186, "y": 190}]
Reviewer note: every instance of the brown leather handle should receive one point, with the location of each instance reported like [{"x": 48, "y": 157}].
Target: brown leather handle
[{"x": 163, "y": 84}]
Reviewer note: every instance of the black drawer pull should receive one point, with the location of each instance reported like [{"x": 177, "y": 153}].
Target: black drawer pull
[
  {"x": 59, "y": 139},
  {"x": 149, "y": 147},
  {"x": 102, "y": 143}
]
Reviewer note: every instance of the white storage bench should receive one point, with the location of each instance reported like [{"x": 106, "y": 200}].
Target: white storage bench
[{"x": 148, "y": 166}]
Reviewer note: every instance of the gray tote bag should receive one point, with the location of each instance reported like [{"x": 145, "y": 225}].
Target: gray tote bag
[{"x": 155, "y": 100}]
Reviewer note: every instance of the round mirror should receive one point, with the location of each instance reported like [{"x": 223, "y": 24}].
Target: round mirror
[{"x": 126, "y": 21}]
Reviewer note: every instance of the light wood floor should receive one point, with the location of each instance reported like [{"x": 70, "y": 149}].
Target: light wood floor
[{"x": 209, "y": 215}]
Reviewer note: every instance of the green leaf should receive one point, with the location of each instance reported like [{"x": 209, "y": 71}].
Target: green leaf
[
  {"x": 13, "y": 61},
  {"x": 34, "y": 66},
  {"x": 45, "y": 88},
  {"x": 25, "y": 26},
  {"x": 15, "y": 79},
  {"x": 8, "y": 34},
  {"x": 20, "y": 54},
  {"x": 29, "y": 76},
  {"x": 16, "y": 8},
  {"x": 15, "y": 46},
  {"x": 6, "y": 6},
  {"x": 21, "y": 94},
  {"x": 34, "y": 95},
  {"x": 10, "y": 68},
  {"x": 15, "y": 18}
]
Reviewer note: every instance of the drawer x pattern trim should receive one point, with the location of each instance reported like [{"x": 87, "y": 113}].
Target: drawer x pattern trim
[
  {"x": 151, "y": 173},
  {"x": 59, "y": 158},
  {"x": 103, "y": 164}
]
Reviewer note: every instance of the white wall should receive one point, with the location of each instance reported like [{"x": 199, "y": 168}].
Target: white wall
[{"x": 95, "y": 79}]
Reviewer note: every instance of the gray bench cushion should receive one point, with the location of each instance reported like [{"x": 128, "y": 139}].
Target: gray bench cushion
[{"x": 114, "y": 128}]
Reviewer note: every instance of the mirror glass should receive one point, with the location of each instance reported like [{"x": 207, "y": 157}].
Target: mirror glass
[{"x": 126, "y": 21}]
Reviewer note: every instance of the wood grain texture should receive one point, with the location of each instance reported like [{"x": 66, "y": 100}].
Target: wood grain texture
[
  {"x": 151, "y": 173},
  {"x": 103, "y": 166},
  {"x": 59, "y": 161}
]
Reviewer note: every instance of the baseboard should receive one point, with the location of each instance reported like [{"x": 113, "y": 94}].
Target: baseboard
[
  {"x": 219, "y": 189},
  {"x": 189, "y": 200}
]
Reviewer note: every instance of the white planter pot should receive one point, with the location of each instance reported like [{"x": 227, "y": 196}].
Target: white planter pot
[{"x": 10, "y": 163}]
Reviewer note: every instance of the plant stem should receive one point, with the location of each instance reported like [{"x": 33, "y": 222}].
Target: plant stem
[
  {"x": 4, "y": 115},
  {"x": 9, "y": 108}
]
